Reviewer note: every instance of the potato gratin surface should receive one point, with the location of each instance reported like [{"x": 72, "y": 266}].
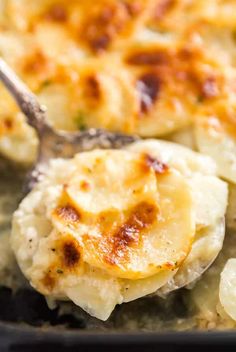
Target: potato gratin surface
[
  {"x": 151, "y": 67},
  {"x": 148, "y": 218}
]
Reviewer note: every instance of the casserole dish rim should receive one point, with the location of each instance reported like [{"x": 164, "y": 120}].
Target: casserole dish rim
[{"x": 15, "y": 334}]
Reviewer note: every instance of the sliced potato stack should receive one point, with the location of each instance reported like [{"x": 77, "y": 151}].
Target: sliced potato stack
[{"x": 111, "y": 226}]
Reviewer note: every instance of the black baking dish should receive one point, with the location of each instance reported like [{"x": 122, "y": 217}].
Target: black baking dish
[
  {"x": 24, "y": 339},
  {"x": 26, "y": 324}
]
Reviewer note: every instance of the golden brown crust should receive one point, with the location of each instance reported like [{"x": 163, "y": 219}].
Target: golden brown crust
[
  {"x": 148, "y": 87},
  {"x": 70, "y": 253},
  {"x": 48, "y": 281},
  {"x": 162, "y": 8},
  {"x": 157, "y": 165},
  {"x": 6, "y": 125},
  {"x": 115, "y": 246},
  {"x": 145, "y": 67},
  {"x": 57, "y": 12},
  {"x": 68, "y": 213},
  {"x": 178, "y": 68},
  {"x": 117, "y": 214},
  {"x": 104, "y": 25},
  {"x": 106, "y": 21},
  {"x": 66, "y": 256}
]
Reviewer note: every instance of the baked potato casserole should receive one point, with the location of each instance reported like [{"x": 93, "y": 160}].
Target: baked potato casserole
[{"x": 110, "y": 226}]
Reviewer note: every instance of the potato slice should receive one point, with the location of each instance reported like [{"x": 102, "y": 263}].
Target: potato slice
[
  {"x": 216, "y": 138},
  {"x": 106, "y": 180},
  {"x": 186, "y": 161},
  {"x": 16, "y": 137},
  {"x": 210, "y": 200},
  {"x": 227, "y": 291},
  {"x": 91, "y": 293},
  {"x": 133, "y": 289},
  {"x": 206, "y": 247},
  {"x": 164, "y": 246},
  {"x": 231, "y": 210},
  {"x": 136, "y": 215}
]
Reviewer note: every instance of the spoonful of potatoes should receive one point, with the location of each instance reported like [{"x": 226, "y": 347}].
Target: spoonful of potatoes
[{"x": 114, "y": 225}]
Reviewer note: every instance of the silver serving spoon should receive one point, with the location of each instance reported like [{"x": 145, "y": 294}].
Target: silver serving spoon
[{"x": 52, "y": 143}]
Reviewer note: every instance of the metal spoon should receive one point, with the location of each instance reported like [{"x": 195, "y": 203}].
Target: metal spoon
[{"x": 52, "y": 143}]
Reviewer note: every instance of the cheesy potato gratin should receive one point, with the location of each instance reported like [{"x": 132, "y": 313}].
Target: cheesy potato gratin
[
  {"x": 149, "y": 67},
  {"x": 148, "y": 218},
  {"x": 130, "y": 222}
]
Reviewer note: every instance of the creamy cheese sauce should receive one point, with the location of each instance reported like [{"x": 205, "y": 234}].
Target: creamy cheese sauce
[{"x": 182, "y": 310}]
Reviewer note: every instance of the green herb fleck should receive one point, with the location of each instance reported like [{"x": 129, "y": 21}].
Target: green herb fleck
[
  {"x": 80, "y": 121},
  {"x": 59, "y": 271},
  {"x": 200, "y": 99},
  {"x": 46, "y": 83}
]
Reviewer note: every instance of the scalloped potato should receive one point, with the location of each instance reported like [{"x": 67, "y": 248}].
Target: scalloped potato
[
  {"x": 125, "y": 219},
  {"x": 150, "y": 218},
  {"x": 227, "y": 291}
]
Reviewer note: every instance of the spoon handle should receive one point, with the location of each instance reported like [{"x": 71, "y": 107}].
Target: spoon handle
[{"x": 26, "y": 100}]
